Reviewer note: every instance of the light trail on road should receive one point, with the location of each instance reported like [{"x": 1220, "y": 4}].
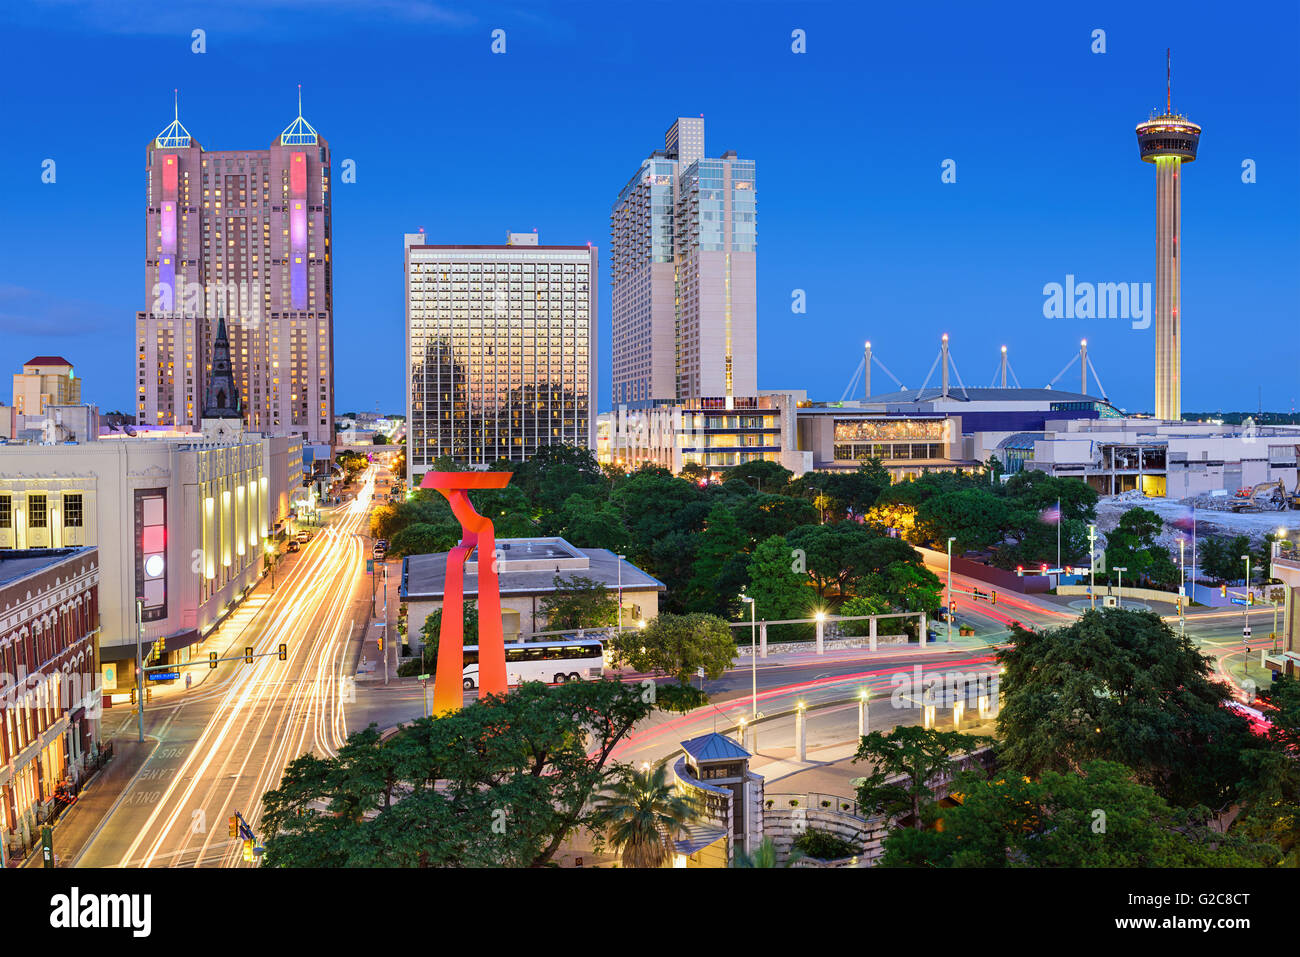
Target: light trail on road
[{"x": 267, "y": 713}]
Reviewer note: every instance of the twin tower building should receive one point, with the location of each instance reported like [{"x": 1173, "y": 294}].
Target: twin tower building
[{"x": 239, "y": 238}]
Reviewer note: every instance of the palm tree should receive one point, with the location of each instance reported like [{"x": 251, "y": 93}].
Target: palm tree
[
  {"x": 643, "y": 814},
  {"x": 764, "y": 856}
]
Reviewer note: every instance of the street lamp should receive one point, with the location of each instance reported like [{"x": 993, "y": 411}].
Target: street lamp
[
  {"x": 1119, "y": 588},
  {"x": 753, "y": 652},
  {"x": 1182, "y": 586},
  {"x": 951, "y": 539},
  {"x": 270, "y": 563},
  {"x": 821, "y": 514},
  {"x": 1092, "y": 565}
]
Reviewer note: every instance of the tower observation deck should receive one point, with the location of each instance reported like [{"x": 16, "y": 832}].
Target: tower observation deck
[{"x": 1168, "y": 141}]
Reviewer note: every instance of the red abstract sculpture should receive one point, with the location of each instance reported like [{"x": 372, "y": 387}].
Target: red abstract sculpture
[{"x": 477, "y": 533}]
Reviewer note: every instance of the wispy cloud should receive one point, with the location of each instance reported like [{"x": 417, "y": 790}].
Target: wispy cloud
[{"x": 147, "y": 18}]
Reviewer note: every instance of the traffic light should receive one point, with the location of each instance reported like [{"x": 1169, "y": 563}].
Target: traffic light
[
  {"x": 1020, "y": 570},
  {"x": 284, "y": 652},
  {"x": 148, "y": 695},
  {"x": 1223, "y": 590},
  {"x": 381, "y": 642},
  {"x": 234, "y": 826},
  {"x": 993, "y": 597},
  {"x": 248, "y": 656},
  {"x": 132, "y": 696},
  {"x": 212, "y": 659},
  {"x": 248, "y": 850}
]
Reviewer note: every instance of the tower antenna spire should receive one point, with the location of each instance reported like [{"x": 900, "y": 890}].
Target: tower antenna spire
[
  {"x": 300, "y": 99},
  {"x": 176, "y": 103},
  {"x": 1169, "y": 82}
]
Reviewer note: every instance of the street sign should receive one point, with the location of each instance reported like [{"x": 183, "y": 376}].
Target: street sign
[
  {"x": 162, "y": 675},
  {"x": 1237, "y": 601},
  {"x": 424, "y": 677},
  {"x": 1245, "y": 632},
  {"x": 47, "y": 846}
]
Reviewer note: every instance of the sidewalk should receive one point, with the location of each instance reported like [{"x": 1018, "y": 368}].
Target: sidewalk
[{"x": 79, "y": 823}]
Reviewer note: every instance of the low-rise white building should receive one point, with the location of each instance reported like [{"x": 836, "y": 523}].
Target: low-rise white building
[
  {"x": 179, "y": 522},
  {"x": 1171, "y": 459}
]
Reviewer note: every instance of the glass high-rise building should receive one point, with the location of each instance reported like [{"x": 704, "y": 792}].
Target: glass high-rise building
[
  {"x": 684, "y": 241},
  {"x": 244, "y": 236},
  {"x": 501, "y": 350}
]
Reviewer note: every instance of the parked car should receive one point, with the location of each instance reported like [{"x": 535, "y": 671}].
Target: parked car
[
  {"x": 292, "y": 546},
  {"x": 303, "y": 537}
]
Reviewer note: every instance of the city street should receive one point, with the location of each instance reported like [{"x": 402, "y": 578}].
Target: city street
[{"x": 226, "y": 742}]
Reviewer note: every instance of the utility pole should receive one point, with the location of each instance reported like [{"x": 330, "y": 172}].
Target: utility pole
[
  {"x": 620, "y": 593},
  {"x": 1245, "y": 609}
]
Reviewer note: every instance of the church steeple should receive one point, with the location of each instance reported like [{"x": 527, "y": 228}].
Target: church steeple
[{"x": 223, "y": 398}]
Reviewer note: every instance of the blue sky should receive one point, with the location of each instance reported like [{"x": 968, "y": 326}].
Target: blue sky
[{"x": 849, "y": 139}]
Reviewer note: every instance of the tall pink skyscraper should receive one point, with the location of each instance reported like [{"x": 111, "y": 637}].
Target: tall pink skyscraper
[{"x": 244, "y": 236}]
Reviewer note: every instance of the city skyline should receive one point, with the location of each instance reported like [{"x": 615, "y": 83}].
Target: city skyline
[
  {"x": 1005, "y": 229},
  {"x": 675, "y": 556}
]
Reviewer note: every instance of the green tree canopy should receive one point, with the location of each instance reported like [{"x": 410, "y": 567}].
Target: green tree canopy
[
  {"x": 778, "y": 589},
  {"x": 1097, "y": 817},
  {"x": 977, "y": 517},
  {"x": 762, "y": 476},
  {"x": 913, "y": 754},
  {"x": 423, "y": 539},
  {"x": 517, "y": 775},
  {"x": 1120, "y": 685},
  {"x": 579, "y": 602},
  {"x": 720, "y": 565},
  {"x": 679, "y": 645},
  {"x": 1132, "y": 546}
]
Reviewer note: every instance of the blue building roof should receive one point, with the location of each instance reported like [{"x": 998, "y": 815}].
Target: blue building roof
[{"x": 714, "y": 747}]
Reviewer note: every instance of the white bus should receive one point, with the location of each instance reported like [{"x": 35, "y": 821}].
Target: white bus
[{"x": 556, "y": 661}]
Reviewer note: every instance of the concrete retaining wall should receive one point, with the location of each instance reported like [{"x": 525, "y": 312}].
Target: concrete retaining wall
[
  {"x": 808, "y": 647},
  {"x": 783, "y": 823},
  {"x": 1137, "y": 594}
]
